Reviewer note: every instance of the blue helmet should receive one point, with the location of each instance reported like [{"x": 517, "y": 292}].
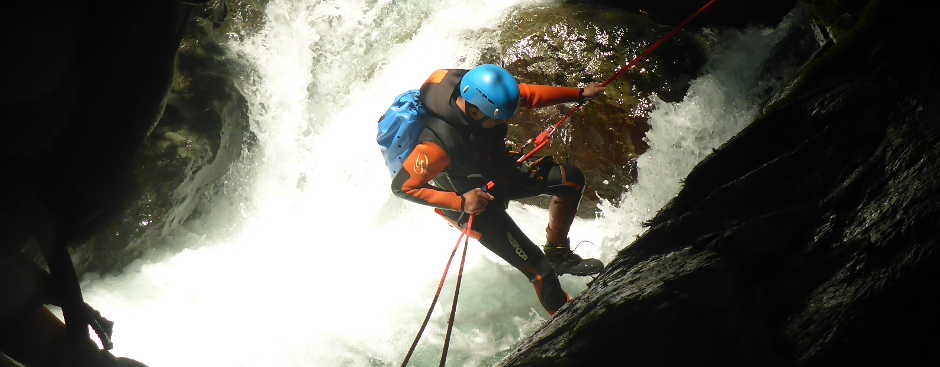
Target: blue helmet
[{"x": 491, "y": 89}]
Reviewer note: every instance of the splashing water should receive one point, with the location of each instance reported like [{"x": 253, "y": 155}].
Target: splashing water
[
  {"x": 717, "y": 106},
  {"x": 329, "y": 269}
]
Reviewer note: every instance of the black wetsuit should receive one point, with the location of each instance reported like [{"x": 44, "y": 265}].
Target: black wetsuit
[{"x": 458, "y": 157}]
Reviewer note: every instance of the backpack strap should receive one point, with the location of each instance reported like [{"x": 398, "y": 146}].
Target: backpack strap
[{"x": 447, "y": 136}]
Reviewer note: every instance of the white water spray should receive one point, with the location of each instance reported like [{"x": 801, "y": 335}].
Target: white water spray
[
  {"x": 329, "y": 269},
  {"x": 717, "y": 106}
]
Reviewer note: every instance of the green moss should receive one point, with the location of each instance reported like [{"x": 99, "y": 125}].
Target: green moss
[{"x": 240, "y": 18}]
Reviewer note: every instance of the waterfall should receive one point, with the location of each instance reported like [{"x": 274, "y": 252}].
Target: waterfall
[{"x": 328, "y": 269}]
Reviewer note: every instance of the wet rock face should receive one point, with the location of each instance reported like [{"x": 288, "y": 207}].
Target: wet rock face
[
  {"x": 809, "y": 239},
  {"x": 73, "y": 132},
  {"x": 574, "y": 45},
  {"x": 122, "y": 118},
  {"x": 733, "y": 13},
  {"x": 201, "y": 133},
  {"x": 76, "y": 129}
]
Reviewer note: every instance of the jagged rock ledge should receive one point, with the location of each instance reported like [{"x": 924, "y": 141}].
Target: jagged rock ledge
[{"x": 808, "y": 239}]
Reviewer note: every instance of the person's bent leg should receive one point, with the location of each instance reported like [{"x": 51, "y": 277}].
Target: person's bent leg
[
  {"x": 500, "y": 234},
  {"x": 565, "y": 183},
  {"x": 533, "y": 264}
]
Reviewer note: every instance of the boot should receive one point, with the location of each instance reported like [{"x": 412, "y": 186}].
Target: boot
[
  {"x": 561, "y": 212},
  {"x": 564, "y": 261}
]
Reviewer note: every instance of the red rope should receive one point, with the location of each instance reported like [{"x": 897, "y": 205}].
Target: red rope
[
  {"x": 434, "y": 301},
  {"x": 658, "y": 43},
  {"x": 540, "y": 142},
  {"x": 453, "y": 307},
  {"x": 464, "y": 235},
  {"x": 544, "y": 138}
]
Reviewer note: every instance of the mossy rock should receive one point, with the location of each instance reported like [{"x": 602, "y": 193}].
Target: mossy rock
[
  {"x": 201, "y": 105},
  {"x": 575, "y": 45}
]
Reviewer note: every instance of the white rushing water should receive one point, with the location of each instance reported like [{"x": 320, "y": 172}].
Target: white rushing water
[{"x": 329, "y": 269}]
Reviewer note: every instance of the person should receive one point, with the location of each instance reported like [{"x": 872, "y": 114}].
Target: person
[
  {"x": 31, "y": 335},
  {"x": 463, "y": 146}
]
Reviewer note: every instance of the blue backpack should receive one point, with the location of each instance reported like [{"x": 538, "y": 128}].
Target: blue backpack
[{"x": 399, "y": 129}]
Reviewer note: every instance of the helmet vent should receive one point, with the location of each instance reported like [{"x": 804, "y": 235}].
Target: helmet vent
[{"x": 465, "y": 88}]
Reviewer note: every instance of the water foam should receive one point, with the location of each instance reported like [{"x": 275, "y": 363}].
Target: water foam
[{"x": 329, "y": 269}]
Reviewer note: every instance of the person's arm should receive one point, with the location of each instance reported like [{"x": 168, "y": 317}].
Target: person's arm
[
  {"x": 424, "y": 163},
  {"x": 411, "y": 183},
  {"x": 535, "y": 96}
]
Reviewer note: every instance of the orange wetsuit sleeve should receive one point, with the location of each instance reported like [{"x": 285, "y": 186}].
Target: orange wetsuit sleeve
[
  {"x": 424, "y": 163},
  {"x": 534, "y": 96}
]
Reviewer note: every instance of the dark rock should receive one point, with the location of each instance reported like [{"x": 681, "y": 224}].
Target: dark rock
[
  {"x": 808, "y": 239},
  {"x": 733, "y": 13},
  {"x": 200, "y": 136},
  {"x": 77, "y": 130},
  {"x": 87, "y": 85}
]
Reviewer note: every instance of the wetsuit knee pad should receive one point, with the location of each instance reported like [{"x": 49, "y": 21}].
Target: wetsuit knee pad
[{"x": 565, "y": 179}]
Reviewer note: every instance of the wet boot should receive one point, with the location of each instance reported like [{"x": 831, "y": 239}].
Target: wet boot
[
  {"x": 564, "y": 261},
  {"x": 561, "y": 212}
]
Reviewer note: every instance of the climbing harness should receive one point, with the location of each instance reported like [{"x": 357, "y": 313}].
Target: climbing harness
[
  {"x": 540, "y": 142},
  {"x": 544, "y": 138}
]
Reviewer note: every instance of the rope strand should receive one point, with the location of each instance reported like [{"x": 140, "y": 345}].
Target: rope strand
[
  {"x": 453, "y": 307},
  {"x": 434, "y": 301},
  {"x": 545, "y": 137},
  {"x": 540, "y": 142}
]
